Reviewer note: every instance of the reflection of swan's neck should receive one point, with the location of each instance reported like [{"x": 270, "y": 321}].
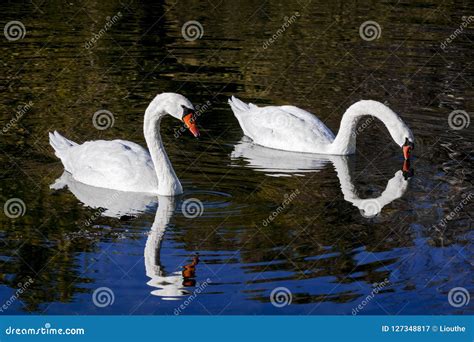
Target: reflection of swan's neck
[
  {"x": 395, "y": 188},
  {"x": 345, "y": 141},
  {"x": 168, "y": 182},
  {"x": 165, "y": 285},
  {"x": 163, "y": 215}
]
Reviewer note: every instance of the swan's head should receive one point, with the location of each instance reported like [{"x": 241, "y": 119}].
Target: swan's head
[{"x": 178, "y": 107}]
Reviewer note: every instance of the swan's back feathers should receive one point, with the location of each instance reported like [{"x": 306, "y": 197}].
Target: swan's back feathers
[
  {"x": 282, "y": 127},
  {"x": 316, "y": 125},
  {"x": 100, "y": 163},
  {"x": 112, "y": 164}
]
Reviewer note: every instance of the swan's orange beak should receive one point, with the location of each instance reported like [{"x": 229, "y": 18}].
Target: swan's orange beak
[
  {"x": 406, "y": 166},
  {"x": 406, "y": 152},
  {"x": 407, "y": 147},
  {"x": 190, "y": 123}
]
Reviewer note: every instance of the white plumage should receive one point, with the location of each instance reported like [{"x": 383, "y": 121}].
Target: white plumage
[
  {"x": 124, "y": 165},
  {"x": 113, "y": 164},
  {"x": 293, "y": 129}
]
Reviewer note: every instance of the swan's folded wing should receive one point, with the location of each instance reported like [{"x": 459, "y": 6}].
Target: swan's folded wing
[
  {"x": 310, "y": 119},
  {"x": 287, "y": 128},
  {"x": 104, "y": 163}
]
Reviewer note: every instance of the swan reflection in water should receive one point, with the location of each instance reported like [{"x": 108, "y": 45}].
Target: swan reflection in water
[
  {"x": 119, "y": 204},
  {"x": 171, "y": 286},
  {"x": 278, "y": 163}
]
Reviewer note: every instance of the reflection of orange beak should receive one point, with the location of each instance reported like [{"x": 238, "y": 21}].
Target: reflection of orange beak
[
  {"x": 406, "y": 166},
  {"x": 408, "y": 172},
  {"x": 191, "y": 124},
  {"x": 406, "y": 152}
]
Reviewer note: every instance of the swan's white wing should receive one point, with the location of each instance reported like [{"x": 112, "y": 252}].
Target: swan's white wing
[
  {"x": 316, "y": 125},
  {"x": 286, "y": 128},
  {"x": 116, "y": 164}
]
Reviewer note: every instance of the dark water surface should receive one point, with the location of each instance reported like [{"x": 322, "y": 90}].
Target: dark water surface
[{"x": 269, "y": 219}]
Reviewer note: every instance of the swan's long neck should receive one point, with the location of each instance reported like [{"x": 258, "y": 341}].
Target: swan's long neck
[
  {"x": 168, "y": 182},
  {"x": 345, "y": 141}
]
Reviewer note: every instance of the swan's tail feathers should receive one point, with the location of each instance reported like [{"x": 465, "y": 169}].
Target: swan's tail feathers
[
  {"x": 239, "y": 106},
  {"x": 61, "y": 182},
  {"x": 60, "y": 143}
]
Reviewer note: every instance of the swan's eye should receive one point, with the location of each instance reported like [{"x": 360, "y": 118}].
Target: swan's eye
[
  {"x": 187, "y": 111},
  {"x": 409, "y": 143}
]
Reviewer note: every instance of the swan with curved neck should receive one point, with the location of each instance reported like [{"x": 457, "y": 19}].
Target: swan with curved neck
[
  {"x": 293, "y": 129},
  {"x": 124, "y": 165}
]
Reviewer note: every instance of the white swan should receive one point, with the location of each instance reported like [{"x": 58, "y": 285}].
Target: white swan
[
  {"x": 293, "y": 129},
  {"x": 124, "y": 165},
  {"x": 282, "y": 163}
]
